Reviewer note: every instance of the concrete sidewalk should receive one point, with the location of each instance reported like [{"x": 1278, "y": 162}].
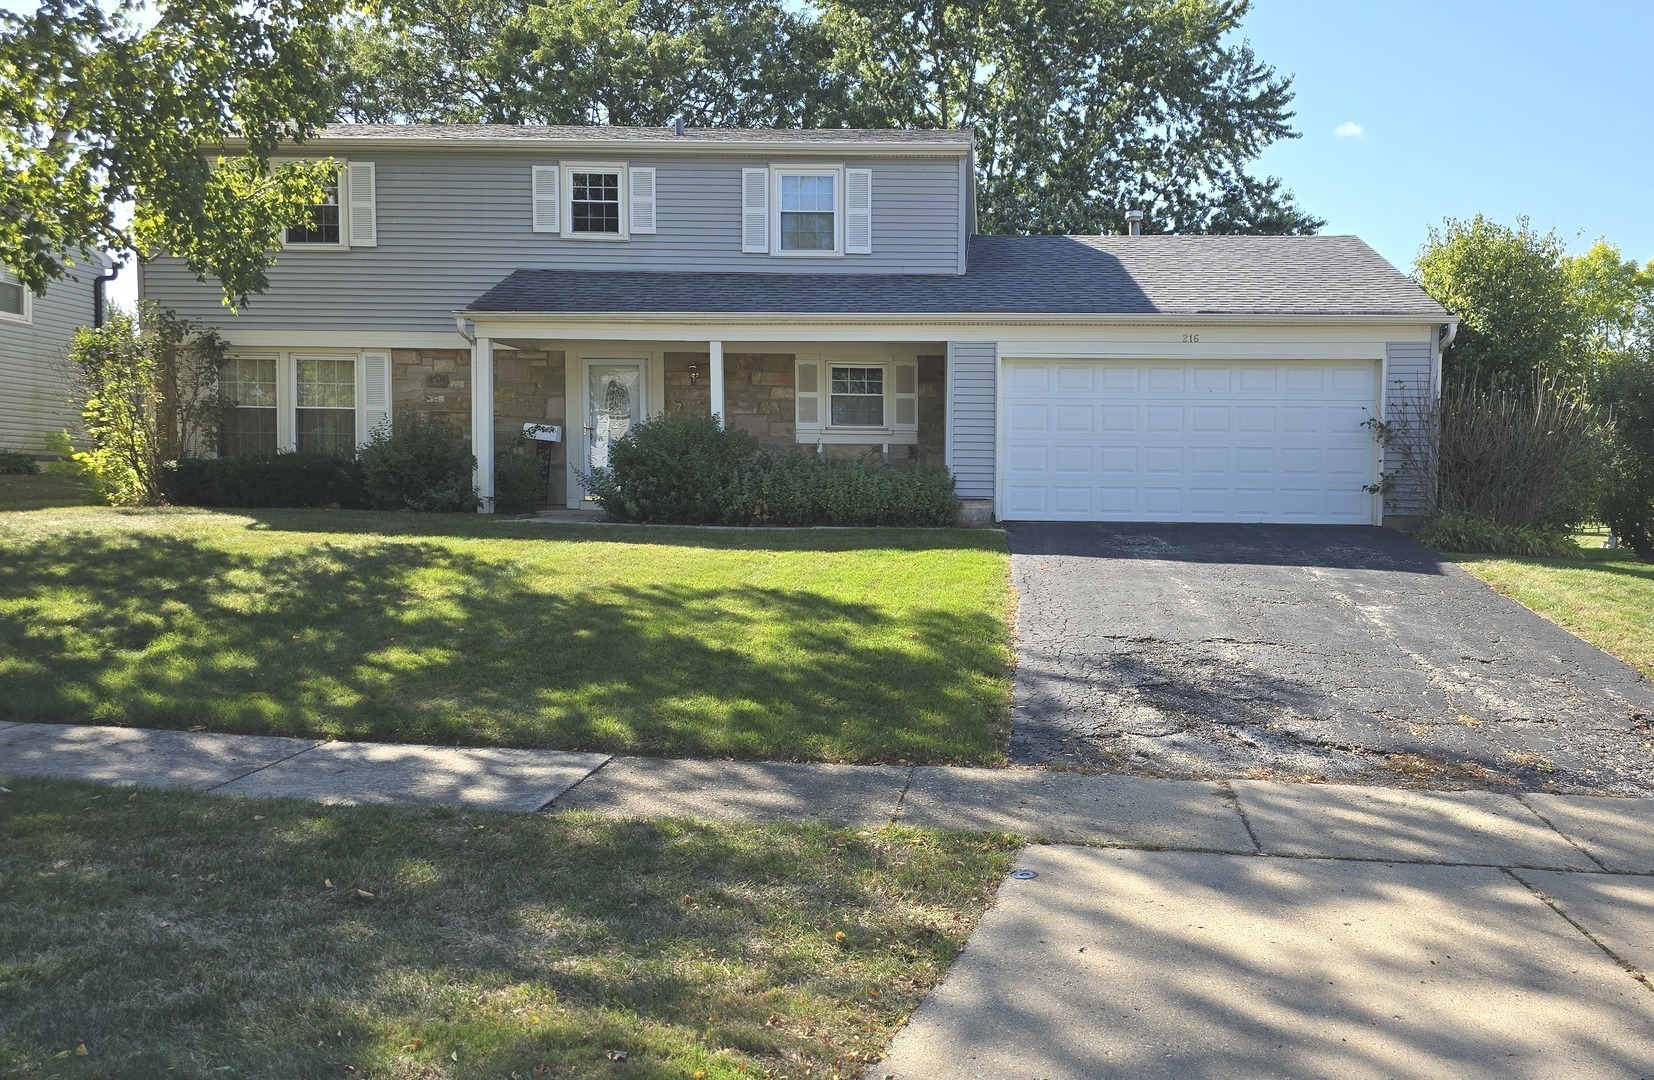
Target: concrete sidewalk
[{"x": 1204, "y": 929}]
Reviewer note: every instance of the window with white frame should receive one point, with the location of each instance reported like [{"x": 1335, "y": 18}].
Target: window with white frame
[
  {"x": 325, "y": 413},
  {"x": 14, "y": 297},
  {"x": 807, "y": 211},
  {"x": 594, "y": 201},
  {"x": 856, "y": 397},
  {"x": 323, "y": 224},
  {"x": 248, "y": 386}
]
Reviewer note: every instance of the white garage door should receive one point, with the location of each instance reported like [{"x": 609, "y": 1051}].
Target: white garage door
[{"x": 1165, "y": 441}]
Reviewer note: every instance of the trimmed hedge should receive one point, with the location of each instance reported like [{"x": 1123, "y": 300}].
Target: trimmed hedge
[
  {"x": 518, "y": 486},
  {"x": 419, "y": 464},
  {"x": 17, "y": 463},
  {"x": 686, "y": 470},
  {"x": 1467, "y": 534},
  {"x": 264, "y": 480}
]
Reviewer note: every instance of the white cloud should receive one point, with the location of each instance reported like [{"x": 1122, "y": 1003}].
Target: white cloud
[{"x": 1349, "y": 129}]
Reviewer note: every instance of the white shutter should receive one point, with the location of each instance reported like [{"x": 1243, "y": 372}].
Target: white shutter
[
  {"x": 376, "y": 394},
  {"x": 643, "y": 199},
  {"x": 858, "y": 211},
  {"x": 808, "y": 397},
  {"x": 364, "y": 209},
  {"x": 547, "y": 208},
  {"x": 755, "y": 211},
  {"x": 906, "y": 396}
]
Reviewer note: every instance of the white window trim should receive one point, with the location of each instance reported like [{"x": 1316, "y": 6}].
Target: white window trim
[
  {"x": 287, "y": 388},
  {"x": 344, "y": 214},
  {"x": 830, "y": 434},
  {"x": 776, "y": 173},
  {"x": 565, "y": 198},
  {"x": 27, "y": 314}
]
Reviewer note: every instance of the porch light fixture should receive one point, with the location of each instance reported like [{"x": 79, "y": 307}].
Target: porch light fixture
[{"x": 694, "y": 373}]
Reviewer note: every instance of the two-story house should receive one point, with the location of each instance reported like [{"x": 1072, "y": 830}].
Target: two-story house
[
  {"x": 34, "y": 342},
  {"x": 824, "y": 289}
]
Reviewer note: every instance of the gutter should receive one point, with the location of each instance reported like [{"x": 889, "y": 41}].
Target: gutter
[
  {"x": 941, "y": 318},
  {"x": 633, "y": 148}
]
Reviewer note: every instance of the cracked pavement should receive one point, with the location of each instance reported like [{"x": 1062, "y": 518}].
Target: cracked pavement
[{"x": 1307, "y": 652}]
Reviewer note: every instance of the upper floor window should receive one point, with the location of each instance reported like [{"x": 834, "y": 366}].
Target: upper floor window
[
  {"x": 808, "y": 209},
  {"x": 594, "y": 201},
  {"x": 14, "y": 297},
  {"x": 322, "y": 224}
]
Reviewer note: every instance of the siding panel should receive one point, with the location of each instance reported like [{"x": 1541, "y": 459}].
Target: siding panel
[
  {"x": 973, "y": 372},
  {"x": 32, "y": 363},
  {"x": 1409, "y": 406},
  {"x": 450, "y": 226}
]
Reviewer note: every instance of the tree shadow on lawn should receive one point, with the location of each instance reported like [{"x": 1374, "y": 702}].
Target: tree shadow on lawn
[
  {"x": 508, "y": 940},
  {"x": 404, "y": 640}
]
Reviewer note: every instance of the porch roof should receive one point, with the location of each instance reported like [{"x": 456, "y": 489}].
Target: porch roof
[{"x": 1311, "y": 276}]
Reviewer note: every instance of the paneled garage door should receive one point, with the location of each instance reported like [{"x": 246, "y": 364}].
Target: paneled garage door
[{"x": 1164, "y": 441}]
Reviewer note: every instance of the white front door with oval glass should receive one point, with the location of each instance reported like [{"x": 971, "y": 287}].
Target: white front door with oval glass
[{"x": 614, "y": 404}]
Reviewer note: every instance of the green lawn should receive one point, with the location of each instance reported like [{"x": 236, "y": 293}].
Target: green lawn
[
  {"x": 1605, "y": 597},
  {"x": 43, "y": 491},
  {"x": 159, "y": 933},
  {"x": 853, "y": 645}
]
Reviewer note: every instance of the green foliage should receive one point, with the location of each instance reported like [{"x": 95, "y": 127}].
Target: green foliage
[
  {"x": 1528, "y": 459},
  {"x": 418, "y": 464},
  {"x": 146, "y": 395},
  {"x": 687, "y": 470},
  {"x": 1512, "y": 293},
  {"x": 1083, "y": 108},
  {"x": 518, "y": 485},
  {"x": 1627, "y": 393},
  {"x": 264, "y": 480},
  {"x": 1470, "y": 534},
  {"x": 672, "y": 470},
  {"x": 17, "y": 463},
  {"x": 110, "y": 103},
  {"x": 69, "y": 463}
]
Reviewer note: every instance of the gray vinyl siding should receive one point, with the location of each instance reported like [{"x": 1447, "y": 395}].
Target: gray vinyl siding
[
  {"x": 34, "y": 382},
  {"x": 1409, "y": 407},
  {"x": 973, "y": 373},
  {"x": 452, "y": 225}
]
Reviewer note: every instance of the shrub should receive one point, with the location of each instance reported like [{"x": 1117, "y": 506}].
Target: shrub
[
  {"x": 264, "y": 480},
  {"x": 671, "y": 470},
  {"x": 689, "y": 471},
  {"x": 1627, "y": 391},
  {"x": 70, "y": 462},
  {"x": 17, "y": 463},
  {"x": 418, "y": 464},
  {"x": 1467, "y": 534},
  {"x": 518, "y": 486},
  {"x": 1520, "y": 459}
]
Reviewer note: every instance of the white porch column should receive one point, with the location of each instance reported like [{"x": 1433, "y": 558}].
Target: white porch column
[
  {"x": 482, "y": 421},
  {"x": 715, "y": 377}
]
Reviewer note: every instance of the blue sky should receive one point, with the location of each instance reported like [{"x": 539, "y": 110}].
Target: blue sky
[{"x": 1532, "y": 107}]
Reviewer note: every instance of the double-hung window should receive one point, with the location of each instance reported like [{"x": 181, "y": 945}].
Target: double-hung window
[
  {"x": 325, "y": 417},
  {"x": 807, "y": 220},
  {"x": 856, "y": 397},
  {"x": 248, "y": 386},
  {"x": 594, "y": 202},
  {"x": 14, "y": 297},
  {"x": 322, "y": 225}
]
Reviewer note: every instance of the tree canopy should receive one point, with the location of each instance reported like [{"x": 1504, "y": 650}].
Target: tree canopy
[
  {"x": 1529, "y": 310},
  {"x": 1083, "y": 108},
  {"x": 112, "y": 103}
]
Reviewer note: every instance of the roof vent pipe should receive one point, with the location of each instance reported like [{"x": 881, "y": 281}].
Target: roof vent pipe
[
  {"x": 1134, "y": 223},
  {"x": 677, "y": 126}
]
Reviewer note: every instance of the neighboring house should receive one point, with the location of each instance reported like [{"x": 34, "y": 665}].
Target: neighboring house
[
  {"x": 34, "y": 342},
  {"x": 823, "y": 289}
]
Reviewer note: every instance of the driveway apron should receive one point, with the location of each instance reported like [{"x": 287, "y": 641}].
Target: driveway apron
[{"x": 1307, "y": 652}]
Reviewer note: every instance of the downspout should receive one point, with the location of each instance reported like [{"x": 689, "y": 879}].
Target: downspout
[
  {"x": 467, "y": 329},
  {"x": 1447, "y": 338},
  {"x": 97, "y": 295}
]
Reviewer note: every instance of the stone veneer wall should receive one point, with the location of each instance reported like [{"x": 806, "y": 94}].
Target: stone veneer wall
[{"x": 528, "y": 388}]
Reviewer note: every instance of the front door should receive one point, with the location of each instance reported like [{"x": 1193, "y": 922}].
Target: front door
[{"x": 614, "y": 402}]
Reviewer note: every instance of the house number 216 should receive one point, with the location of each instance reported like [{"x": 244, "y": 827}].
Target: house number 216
[{"x": 1191, "y": 339}]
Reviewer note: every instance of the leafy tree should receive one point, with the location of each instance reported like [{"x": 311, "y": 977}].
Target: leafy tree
[
  {"x": 147, "y": 395},
  {"x": 1614, "y": 298},
  {"x": 111, "y": 102},
  {"x": 1626, "y": 389},
  {"x": 1520, "y": 319},
  {"x": 1083, "y": 108}
]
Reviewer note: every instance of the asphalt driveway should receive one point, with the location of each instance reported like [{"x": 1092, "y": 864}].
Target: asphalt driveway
[{"x": 1309, "y": 652}]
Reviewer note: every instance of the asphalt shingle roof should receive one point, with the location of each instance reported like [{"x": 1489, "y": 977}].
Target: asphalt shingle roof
[
  {"x": 531, "y": 133},
  {"x": 1021, "y": 275}
]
